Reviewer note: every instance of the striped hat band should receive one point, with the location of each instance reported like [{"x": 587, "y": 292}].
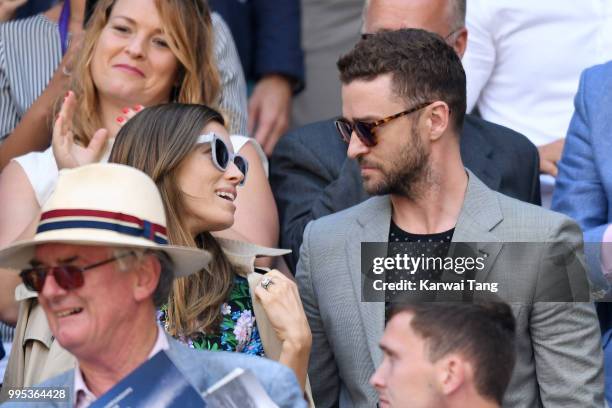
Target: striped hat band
[{"x": 102, "y": 220}]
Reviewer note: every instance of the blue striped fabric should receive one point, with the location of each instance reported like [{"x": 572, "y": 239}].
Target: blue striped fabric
[
  {"x": 6, "y": 334},
  {"x": 29, "y": 52},
  {"x": 110, "y": 226}
]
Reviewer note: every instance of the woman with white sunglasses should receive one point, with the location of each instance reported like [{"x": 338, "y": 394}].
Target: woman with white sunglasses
[{"x": 229, "y": 306}]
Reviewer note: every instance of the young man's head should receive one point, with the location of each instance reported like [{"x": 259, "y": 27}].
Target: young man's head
[
  {"x": 403, "y": 102},
  {"x": 443, "y": 17},
  {"x": 440, "y": 355}
]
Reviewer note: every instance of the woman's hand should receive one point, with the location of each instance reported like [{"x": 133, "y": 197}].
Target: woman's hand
[
  {"x": 67, "y": 153},
  {"x": 128, "y": 113},
  {"x": 283, "y": 305}
]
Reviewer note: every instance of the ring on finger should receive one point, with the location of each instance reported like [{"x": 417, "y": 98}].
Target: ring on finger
[{"x": 265, "y": 282}]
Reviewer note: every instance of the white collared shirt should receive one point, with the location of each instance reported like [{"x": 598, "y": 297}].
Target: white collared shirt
[
  {"x": 83, "y": 397},
  {"x": 524, "y": 58}
]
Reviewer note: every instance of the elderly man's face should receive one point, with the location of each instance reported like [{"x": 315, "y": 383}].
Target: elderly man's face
[{"x": 86, "y": 319}]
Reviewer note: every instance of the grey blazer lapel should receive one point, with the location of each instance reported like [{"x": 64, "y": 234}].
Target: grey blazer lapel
[
  {"x": 371, "y": 225},
  {"x": 478, "y": 217},
  {"x": 480, "y": 214}
]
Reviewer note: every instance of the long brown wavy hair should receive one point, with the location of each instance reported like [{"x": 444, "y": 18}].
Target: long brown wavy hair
[
  {"x": 188, "y": 25},
  {"x": 156, "y": 141}
]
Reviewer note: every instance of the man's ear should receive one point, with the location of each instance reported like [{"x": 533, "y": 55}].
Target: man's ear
[
  {"x": 460, "y": 43},
  {"x": 148, "y": 271},
  {"x": 439, "y": 118},
  {"x": 451, "y": 372}
]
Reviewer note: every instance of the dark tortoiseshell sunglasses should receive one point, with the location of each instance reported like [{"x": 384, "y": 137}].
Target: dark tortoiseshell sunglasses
[{"x": 365, "y": 130}]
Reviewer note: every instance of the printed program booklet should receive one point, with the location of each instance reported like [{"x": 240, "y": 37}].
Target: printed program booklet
[
  {"x": 238, "y": 389},
  {"x": 158, "y": 383}
]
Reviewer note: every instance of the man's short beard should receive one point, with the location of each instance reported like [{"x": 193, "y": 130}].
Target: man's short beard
[{"x": 408, "y": 173}]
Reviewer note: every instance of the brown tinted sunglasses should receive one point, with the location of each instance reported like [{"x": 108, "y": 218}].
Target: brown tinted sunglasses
[
  {"x": 67, "y": 276},
  {"x": 365, "y": 130}
]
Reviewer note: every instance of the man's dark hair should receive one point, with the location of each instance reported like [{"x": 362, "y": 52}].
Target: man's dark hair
[
  {"x": 423, "y": 67},
  {"x": 484, "y": 333}
]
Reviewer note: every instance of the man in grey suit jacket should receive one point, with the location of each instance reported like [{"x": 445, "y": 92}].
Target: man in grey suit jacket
[
  {"x": 101, "y": 265},
  {"x": 311, "y": 176},
  {"x": 411, "y": 85}
]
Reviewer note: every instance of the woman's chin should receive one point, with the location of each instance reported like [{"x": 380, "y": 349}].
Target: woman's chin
[
  {"x": 220, "y": 224},
  {"x": 227, "y": 224},
  {"x": 130, "y": 95}
]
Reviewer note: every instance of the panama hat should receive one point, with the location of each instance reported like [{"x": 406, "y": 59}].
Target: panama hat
[{"x": 105, "y": 204}]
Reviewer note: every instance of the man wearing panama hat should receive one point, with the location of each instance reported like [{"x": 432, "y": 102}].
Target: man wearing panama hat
[{"x": 100, "y": 264}]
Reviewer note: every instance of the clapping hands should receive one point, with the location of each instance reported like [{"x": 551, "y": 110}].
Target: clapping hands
[
  {"x": 69, "y": 154},
  {"x": 128, "y": 113}
]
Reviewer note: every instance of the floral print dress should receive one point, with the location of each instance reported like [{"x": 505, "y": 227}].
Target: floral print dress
[{"x": 238, "y": 330}]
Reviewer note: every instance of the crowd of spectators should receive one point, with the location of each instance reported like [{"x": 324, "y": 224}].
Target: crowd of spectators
[{"x": 212, "y": 180}]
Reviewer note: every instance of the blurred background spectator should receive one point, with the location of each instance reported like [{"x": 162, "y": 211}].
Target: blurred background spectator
[
  {"x": 523, "y": 62},
  {"x": 267, "y": 35},
  {"x": 16, "y": 9},
  {"x": 584, "y": 188},
  {"x": 329, "y": 29}
]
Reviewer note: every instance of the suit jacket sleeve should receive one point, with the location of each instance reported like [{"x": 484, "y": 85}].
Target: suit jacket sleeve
[
  {"x": 306, "y": 188},
  {"x": 279, "y": 48},
  {"x": 565, "y": 335},
  {"x": 322, "y": 369},
  {"x": 536, "y": 195},
  {"x": 578, "y": 190},
  {"x": 285, "y": 389}
]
